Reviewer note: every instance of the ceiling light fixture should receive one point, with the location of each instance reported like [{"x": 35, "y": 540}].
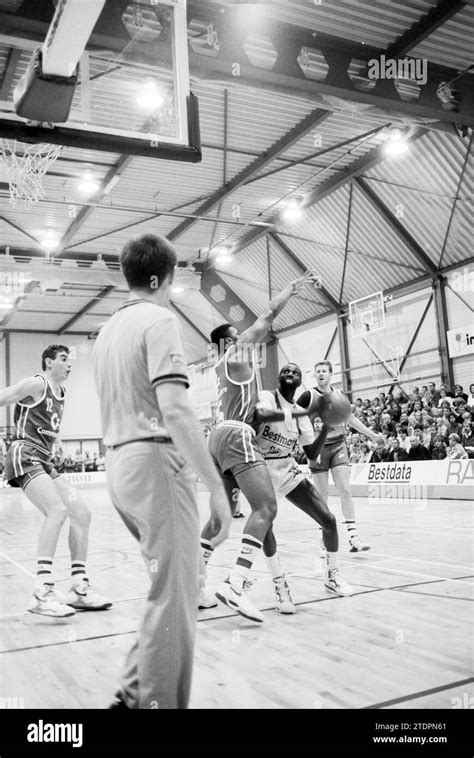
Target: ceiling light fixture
[
  {"x": 150, "y": 98},
  {"x": 88, "y": 184},
  {"x": 222, "y": 255},
  {"x": 396, "y": 143},
  {"x": 292, "y": 210},
  {"x": 50, "y": 242}
]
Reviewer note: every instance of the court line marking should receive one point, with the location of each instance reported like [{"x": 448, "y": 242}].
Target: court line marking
[
  {"x": 18, "y": 565},
  {"x": 219, "y": 618},
  {"x": 433, "y": 563},
  {"x": 421, "y": 693}
]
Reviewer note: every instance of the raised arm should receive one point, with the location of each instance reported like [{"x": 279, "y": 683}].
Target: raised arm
[
  {"x": 360, "y": 427},
  {"x": 258, "y": 331},
  {"x": 30, "y": 387}
]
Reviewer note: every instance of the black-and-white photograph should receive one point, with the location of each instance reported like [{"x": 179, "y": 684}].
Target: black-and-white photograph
[{"x": 236, "y": 369}]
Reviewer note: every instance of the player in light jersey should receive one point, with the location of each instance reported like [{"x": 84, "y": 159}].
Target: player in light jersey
[
  {"x": 237, "y": 455},
  {"x": 39, "y": 404},
  {"x": 278, "y": 436},
  {"x": 334, "y": 455}
]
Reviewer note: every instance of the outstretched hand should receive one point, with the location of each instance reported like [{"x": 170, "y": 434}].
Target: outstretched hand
[{"x": 310, "y": 277}]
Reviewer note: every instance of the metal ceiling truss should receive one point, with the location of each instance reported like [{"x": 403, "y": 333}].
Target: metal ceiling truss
[
  {"x": 397, "y": 228},
  {"x": 103, "y": 293},
  {"x": 325, "y": 294},
  {"x": 112, "y": 176},
  {"x": 222, "y": 297},
  {"x": 360, "y": 166},
  {"x": 427, "y": 24},
  {"x": 310, "y": 122},
  {"x": 225, "y": 59},
  {"x": 190, "y": 323}
]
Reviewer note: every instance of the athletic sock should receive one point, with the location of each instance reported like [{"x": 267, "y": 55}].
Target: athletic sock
[
  {"x": 78, "y": 571},
  {"x": 351, "y": 528},
  {"x": 322, "y": 546},
  {"x": 207, "y": 550},
  {"x": 44, "y": 570},
  {"x": 248, "y": 552},
  {"x": 274, "y": 567},
  {"x": 332, "y": 560}
]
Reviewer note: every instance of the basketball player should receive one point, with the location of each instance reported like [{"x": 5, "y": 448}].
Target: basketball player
[
  {"x": 238, "y": 457},
  {"x": 39, "y": 404},
  {"x": 155, "y": 448},
  {"x": 334, "y": 455},
  {"x": 278, "y": 436}
]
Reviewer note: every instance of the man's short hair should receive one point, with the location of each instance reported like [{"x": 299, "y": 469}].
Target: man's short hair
[
  {"x": 146, "y": 261},
  {"x": 219, "y": 334},
  {"x": 324, "y": 363},
  {"x": 51, "y": 352}
]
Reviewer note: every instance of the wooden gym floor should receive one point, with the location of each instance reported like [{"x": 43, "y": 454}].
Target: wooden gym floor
[{"x": 402, "y": 641}]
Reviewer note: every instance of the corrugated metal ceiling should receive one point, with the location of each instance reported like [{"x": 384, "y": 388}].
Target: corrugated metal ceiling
[{"x": 424, "y": 183}]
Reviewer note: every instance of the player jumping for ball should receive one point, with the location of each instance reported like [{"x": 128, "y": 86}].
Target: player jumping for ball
[
  {"x": 334, "y": 455},
  {"x": 39, "y": 404},
  {"x": 236, "y": 453},
  {"x": 279, "y": 433}
]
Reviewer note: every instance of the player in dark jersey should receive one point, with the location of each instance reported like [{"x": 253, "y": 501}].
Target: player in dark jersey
[
  {"x": 334, "y": 456},
  {"x": 237, "y": 455},
  {"x": 39, "y": 405}
]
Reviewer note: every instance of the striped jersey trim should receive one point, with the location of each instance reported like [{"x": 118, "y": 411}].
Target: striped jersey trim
[
  {"x": 182, "y": 378},
  {"x": 238, "y": 424},
  {"x": 36, "y": 448}
]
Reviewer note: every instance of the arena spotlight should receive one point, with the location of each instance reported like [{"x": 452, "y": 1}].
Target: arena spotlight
[
  {"x": 150, "y": 98},
  {"x": 292, "y": 210},
  {"x": 396, "y": 143},
  {"x": 222, "y": 255},
  {"x": 50, "y": 242},
  {"x": 88, "y": 184}
]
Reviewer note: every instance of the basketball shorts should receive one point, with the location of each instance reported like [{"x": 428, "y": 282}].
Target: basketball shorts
[
  {"x": 23, "y": 463},
  {"x": 333, "y": 454},
  {"x": 234, "y": 449},
  {"x": 285, "y": 474}
]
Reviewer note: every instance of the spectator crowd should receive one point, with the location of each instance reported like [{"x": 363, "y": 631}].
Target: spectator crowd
[{"x": 429, "y": 424}]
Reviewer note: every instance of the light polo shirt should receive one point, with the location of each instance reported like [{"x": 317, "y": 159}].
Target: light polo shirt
[{"x": 139, "y": 348}]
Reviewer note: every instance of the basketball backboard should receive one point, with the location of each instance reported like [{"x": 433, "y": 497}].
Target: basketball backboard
[
  {"x": 130, "y": 92},
  {"x": 367, "y": 314}
]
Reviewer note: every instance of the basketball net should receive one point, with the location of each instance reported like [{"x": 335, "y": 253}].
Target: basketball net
[{"x": 25, "y": 170}]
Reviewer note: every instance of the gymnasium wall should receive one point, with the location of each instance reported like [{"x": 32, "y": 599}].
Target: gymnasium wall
[
  {"x": 459, "y": 304},
  {"x": 81, "y": 412}
]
